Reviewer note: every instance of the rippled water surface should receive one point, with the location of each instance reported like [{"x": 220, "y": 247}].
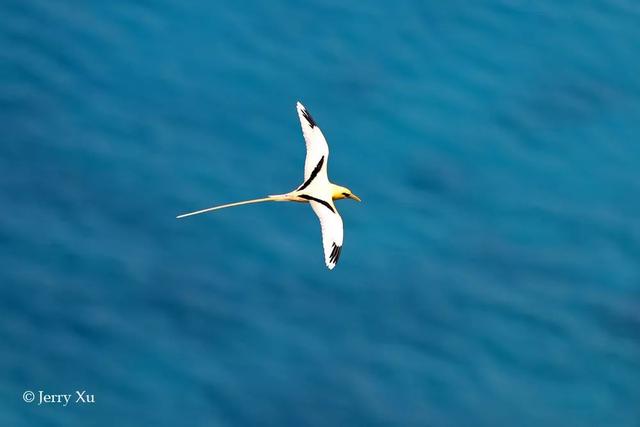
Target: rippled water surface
[{"x": 490, "y": 277}]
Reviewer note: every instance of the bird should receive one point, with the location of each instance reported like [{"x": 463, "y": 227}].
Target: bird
[{"x": 316, "y": 190}]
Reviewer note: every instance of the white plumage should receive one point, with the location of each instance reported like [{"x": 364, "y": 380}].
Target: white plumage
[
  {"x": 314, "y": 141},
  {"x": 316, "y": 189},
  {"x": 332, "y": 233}
]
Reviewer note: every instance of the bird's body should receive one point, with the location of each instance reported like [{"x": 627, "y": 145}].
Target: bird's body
[{"x": 316, "y": 190}]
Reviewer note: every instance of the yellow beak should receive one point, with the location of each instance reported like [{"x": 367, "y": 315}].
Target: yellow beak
[{"x": 354, "y": 197}]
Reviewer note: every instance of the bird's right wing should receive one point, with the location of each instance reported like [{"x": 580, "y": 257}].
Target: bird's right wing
[
  {"x": 332, "y": 230},
  {"x": 317, "y": 148}
]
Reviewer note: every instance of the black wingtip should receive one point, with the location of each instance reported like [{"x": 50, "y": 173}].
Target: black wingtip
[
  {"x": 335, "y": 253},
  {"x": 308, "y": 117}
]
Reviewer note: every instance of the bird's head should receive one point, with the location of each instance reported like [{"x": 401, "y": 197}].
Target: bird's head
[{"x": 339, "y": 192}]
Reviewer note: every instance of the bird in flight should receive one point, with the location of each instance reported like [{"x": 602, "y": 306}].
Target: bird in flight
[{"x": 316, "y": 190}]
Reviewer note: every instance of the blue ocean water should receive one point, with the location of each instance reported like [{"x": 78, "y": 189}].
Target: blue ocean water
[{"x": 490, "y": 277}]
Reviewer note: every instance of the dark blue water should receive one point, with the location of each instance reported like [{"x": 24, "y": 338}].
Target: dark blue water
[{"x": 490, "y": 277}]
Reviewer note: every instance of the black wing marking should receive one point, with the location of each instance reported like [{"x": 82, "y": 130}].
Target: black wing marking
[
  {"x": 314, "y": 173},
  {"x": 315, "y": 199}
]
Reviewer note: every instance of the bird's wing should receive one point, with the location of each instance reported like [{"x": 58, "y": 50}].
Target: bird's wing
[
  {"x": 332, "y": 230},
  {"x": 317, "y": 148}
]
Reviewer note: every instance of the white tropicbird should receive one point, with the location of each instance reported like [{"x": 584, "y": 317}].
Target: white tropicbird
[{"x": 316, "y": 190}]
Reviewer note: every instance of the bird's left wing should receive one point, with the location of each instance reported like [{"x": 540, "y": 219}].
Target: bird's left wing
[
  {"x": 317, "y": 148},
  {"x": 332, "y": 230}
]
